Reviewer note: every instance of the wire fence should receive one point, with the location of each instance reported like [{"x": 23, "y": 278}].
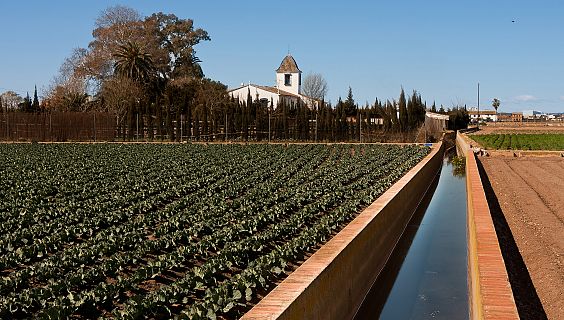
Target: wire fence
[
  {"x": 103, "y": 126},
  {"x": 58, "y": 126}
]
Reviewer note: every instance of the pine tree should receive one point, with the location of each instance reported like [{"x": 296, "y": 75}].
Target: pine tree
[{"x": 349, "y": 104}]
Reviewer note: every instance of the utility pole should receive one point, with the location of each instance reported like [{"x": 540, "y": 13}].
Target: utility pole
[{"x": 269, "y": 112}]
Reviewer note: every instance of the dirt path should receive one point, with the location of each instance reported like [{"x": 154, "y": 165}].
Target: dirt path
[{"x": 530, "y": 194}]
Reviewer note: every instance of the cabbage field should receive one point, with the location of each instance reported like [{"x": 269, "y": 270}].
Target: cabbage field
[
  {"x": 163, "y": 231},
  {"x": 510, "y": 141}
]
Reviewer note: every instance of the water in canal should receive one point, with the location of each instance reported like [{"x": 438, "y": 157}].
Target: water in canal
[{"x": 426, "y": 276}]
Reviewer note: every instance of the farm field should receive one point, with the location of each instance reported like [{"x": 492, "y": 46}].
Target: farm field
[
  {"x": 158, "y": 231},
  {"x": 528, "y": 198},
  {"x": 521, "y": 128},
  {"x": 547, "y": 141}
]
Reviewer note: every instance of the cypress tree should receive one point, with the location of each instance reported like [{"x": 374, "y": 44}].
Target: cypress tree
[
  {"x": 420, "y": 110},
  {"x": 321, "y": 121},
  {"x": 442, "y": 110},
  {"x": 403, "y": 117},
  {"x": 237, "y": 119},
  {"x": 246, "y": 108},
  {"x": 25, "y": 106},
  {"x": 35, "y": 104},
  {"x": 394, "y": 116},
  {"x": 285, "y": 119},
  {"x": 416, "y": 111},
  {"x": 387, "y": 114},
  {"x": 411, "y": 112}
]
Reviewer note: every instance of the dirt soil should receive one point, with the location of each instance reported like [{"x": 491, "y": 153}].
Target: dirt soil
[{"x": 526, "y": 197}]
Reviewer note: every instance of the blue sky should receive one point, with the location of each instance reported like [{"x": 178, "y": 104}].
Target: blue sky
[{"x": 440, "y": 48}]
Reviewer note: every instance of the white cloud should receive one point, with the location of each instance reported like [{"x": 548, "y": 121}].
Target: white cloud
[
  {"x": 525, "y": 98},
  {"x": 562, "y": 98}
]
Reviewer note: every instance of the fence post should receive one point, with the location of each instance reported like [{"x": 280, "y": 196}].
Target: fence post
[
  {"x": 94, "y": 126},
  {"x": 117, "y": 130}
]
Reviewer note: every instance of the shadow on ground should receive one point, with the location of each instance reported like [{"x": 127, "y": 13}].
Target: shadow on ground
[{"x": 528, "y": 303}]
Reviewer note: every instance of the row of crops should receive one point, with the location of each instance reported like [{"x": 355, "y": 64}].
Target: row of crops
[
  {"x": 162, "y": 231},
  {"x": 521, "y": 141}
]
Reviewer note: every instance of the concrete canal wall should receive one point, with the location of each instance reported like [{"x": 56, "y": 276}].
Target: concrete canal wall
[
  {"x": 490, "y": 294},
  {"x": 333, "y": 282}
]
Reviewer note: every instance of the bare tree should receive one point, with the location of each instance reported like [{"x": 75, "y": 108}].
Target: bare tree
[
  {"x": 116, "y": 15},
  {"x": 68, "y": 89},
  {"x": 123, "y": 96},
  {"x": 11, "y": 100},
  {"x": 121, "y": 93},
  {"x": 314, "y": 86},
  {"x": 114, "y": 27}
]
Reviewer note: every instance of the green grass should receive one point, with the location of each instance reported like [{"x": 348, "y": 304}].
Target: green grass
[{"x": 521, "y": 141}]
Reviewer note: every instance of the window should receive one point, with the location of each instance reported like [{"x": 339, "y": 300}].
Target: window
[{"x": 287, "y": 79}]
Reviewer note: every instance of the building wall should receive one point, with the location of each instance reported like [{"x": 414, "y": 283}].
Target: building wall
[
  {"x": 295, "y": 88},
  {"x": 485, "y": 117},
  {"x": 517, "y": 117},
  {"x": 242, "y": 93}
]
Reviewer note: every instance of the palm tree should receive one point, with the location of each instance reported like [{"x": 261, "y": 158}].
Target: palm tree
[
  {"x": 495, "y": 104},
  {"x": 132, "y": 62},
  {"x": 135, "y": 65}
]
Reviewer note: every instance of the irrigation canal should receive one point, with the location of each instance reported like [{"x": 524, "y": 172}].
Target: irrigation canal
[{"x": 426, "y": 276}]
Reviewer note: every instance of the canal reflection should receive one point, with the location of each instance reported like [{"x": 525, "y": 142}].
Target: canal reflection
[{"x": 426, "y": 276}]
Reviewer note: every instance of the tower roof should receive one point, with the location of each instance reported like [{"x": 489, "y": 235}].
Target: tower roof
[{"x": 288, "y": 65}]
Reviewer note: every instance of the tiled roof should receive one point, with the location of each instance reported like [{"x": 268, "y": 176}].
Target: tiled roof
[
  {"x": 278, "y": 91},
  {"x": 483, "y": 112},
  {"x": 269, "y": 89},
  {"x": 288, "y": 65}
]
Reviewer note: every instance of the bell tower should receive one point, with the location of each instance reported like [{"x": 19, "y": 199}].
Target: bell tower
[{"x": 289, "y": 76}]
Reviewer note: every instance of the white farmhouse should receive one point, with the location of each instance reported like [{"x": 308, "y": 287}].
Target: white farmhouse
[
  {"x": 483, "y": 115},
  {"x": 287, "y": 89}
]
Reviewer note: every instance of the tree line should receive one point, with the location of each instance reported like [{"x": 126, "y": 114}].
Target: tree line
[{"x": 145, "y": 71}]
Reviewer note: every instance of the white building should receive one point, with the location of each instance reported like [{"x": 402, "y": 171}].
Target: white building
[
  {"x": 483, "y": 115},
  {"x": 436, "y": 121},
  {"x": 287, "y": 89}
]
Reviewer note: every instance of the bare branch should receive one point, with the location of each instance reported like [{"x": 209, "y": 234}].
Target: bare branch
[{"x": 314, "y": 86}]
